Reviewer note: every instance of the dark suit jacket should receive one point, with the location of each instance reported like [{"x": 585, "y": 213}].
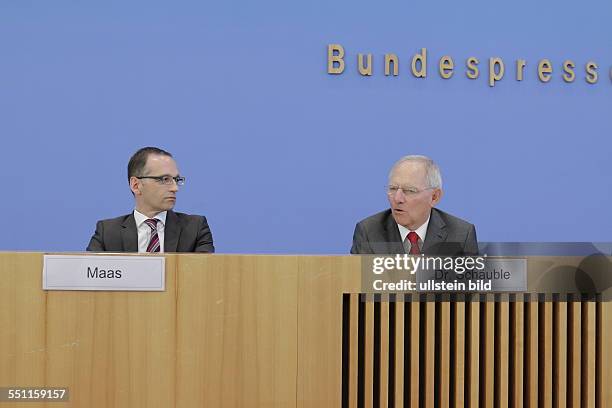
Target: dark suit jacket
[
  {"x": 446, "y": 235},
  {"x": 182, "y": 233}
]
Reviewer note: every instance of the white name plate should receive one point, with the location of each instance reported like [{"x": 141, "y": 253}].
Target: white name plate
[{"x": 86, "y": 272}]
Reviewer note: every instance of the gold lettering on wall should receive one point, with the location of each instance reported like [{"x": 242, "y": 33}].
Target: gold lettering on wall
[
  {"x": 591, "y": 70},
  {"x": 338, "y": 60},
  {"x": 391, "y": 59},
  {"x": 335, "y": 55},
  {"x": 422, "y": 59},
  {"x": 520, "y": 69},
  {"x": 544, "y": 70},
  {"x": 446, "y": 67},
  {"x": 568, "y": 71},
  {"x": 472, "y": 66},
  {"x": 364, "y": 70},
  {"x": 496, "y": 70}
]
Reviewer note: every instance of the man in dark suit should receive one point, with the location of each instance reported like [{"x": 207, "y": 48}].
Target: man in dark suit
[
  {"x": 412, "y": 224},
  {"x": 153, "y": 227}
]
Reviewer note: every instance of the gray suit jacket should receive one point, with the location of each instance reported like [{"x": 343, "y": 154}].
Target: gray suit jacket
[
  {"x": 446, "y": 235},
  {"x": 182, "y": 233}
]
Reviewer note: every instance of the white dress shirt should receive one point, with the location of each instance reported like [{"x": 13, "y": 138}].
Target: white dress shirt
[
  {"x": 421, "y": 232},
  {"x": 144, "y": 231}
]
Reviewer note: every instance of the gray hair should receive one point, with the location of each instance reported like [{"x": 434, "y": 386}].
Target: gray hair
[{"x": 432, "y": 171}]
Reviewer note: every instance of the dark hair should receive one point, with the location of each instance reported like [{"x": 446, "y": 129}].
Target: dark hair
[{"x": 139, "y": 160}]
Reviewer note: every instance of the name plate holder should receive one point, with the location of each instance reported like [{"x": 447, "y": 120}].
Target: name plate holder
[{"x": 102, "y": 272}]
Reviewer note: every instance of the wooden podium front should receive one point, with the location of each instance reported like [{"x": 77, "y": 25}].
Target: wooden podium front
[{"x": 291, "y": 331}]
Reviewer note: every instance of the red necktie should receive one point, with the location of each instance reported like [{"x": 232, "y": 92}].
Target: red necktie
[
  {"x": 154, "y": 241},
  {"x": 413, "y": 237}
]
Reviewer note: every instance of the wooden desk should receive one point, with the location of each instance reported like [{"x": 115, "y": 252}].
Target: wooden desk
[{"x": 289, "y": 331}]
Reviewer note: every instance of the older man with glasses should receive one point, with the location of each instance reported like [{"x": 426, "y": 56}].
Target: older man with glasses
[
  {"x": 153, "y": 227},
  {"x": 412, "y": 225}
]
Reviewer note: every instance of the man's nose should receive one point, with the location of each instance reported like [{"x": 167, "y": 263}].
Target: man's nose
[
  {"x": 174, "y": 186},
  {"x": 399, "y": 196}
]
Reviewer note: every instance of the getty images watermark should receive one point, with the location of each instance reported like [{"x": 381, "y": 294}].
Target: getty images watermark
[
  {"x": 403, "y": 273},
  {"x": 407, "y": 273}
]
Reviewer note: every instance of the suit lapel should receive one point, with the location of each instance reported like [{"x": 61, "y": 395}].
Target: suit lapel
[
  {"x": 172, "y": 232},
  {"x": 129, "y": 235},
  {"x": 392, "y": 236},
  {"x": 436, "y": 233}
]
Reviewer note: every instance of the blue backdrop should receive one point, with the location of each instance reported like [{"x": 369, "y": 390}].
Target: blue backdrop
[{"x": 279, "y": 155}]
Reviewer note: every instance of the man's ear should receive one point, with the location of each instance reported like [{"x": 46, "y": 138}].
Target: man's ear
[
  {"x": 436, "y": 196},
  {"x": 135, "y": 185}
]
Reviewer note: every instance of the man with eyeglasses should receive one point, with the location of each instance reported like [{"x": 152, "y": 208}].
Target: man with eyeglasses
[
  {"x": 412, "y": 225},
  {"x": 153, "y": 227}
]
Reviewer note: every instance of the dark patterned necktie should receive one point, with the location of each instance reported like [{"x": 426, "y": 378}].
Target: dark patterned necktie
[{"x": 154, "y": 241}]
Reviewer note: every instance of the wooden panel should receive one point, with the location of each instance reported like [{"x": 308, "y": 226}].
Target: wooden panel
[
  {"x": 322, "y": 280},
  {"x": 384, "y": 355},
  {"x": 560, "y": 357},
  {"x": 237, "y": 331},
  {"x": 251, "y": 331},
  {"x": 588, "y": 354},
  {"x": 605, "y": 334},
  {"x": 502, "y": 337},
  {"x": 546, "y": 355},
  {"x": 399, "y": 353},
  {"x": 518, "y": 325},
  {"x": 369, "y": 355},
  {"x": 488, "y": 376},
  {"x": 102, "y": 341},
  {"x": 109, "y": 348},
  {"x": 23, "y": 345},
  {"x": 353, "y": 350},
  {"x": 531, "y": 352},
  {"x": 459, "y": 354},
  {"x": 473, "y": 373},
  {"x": 575, "y": 354},
  {"x": 430, "y": 341},
  {"x": 444, "y": 358},
  {"x": 415, "y": 351}
]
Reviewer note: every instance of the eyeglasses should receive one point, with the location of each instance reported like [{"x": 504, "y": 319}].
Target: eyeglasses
[
  {"x": 407, "y": 191},
  {"x": 166, "y": 180}
]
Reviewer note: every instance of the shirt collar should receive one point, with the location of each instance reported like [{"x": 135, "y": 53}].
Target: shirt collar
[
  {"x": 421, "y": 231},
  {"x": 140, "y": 218}
]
